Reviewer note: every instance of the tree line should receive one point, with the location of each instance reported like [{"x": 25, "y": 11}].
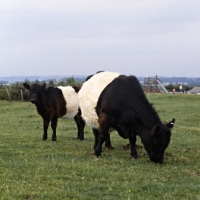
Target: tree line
[{"x": 17, "y": 92}]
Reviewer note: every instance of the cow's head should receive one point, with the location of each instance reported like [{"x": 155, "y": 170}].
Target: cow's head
[
  {"x": 160, "y": 138},
  {"x": 36, "y": 91}
]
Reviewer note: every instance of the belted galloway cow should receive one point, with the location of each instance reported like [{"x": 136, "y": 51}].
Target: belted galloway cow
[
  {"x": 109, "y": 100},
  {"x": 53, "y": 103}
]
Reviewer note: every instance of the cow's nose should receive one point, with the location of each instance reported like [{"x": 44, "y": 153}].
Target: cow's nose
[{"x": 156, "y": 160}]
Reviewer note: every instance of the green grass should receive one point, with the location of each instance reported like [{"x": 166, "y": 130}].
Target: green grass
[{"x": 34, "y": 169}]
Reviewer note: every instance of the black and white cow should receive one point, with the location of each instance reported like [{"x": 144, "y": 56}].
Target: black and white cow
[
  {"x": 109, "y": 100},
  {"x": 53, "y": 103}
]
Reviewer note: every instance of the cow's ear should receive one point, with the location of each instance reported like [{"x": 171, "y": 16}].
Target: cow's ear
[
  {"x": 171, "y": 123},
  {"x": 27, "y": 86},
  {"x": 76, "y": 88},
  {"x": 155, "y": 129},
  {"x": 43, "y": 86}
]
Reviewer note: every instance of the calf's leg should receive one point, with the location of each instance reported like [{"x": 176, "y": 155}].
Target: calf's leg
[
  {"x": 45, "y": 128},
  {"x": 54, "y": 126},
  {"x": 80, "y": 123}
]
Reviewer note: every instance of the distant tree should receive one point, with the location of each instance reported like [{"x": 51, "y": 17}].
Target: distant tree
[
  {"x": 17, "y": 85},
  {"x": 2, "y": 86},
  {"x": 70, "y": 81},
  {"x": 169, "y": 87},
  {"x": 37, "y": 81},
  {"x": 61, "y": 83},
  {"x": 3, "y": 94},
  {"x": 51, "y": 83}
]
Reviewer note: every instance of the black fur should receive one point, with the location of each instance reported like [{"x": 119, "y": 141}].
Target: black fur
[{"x": 87, "y": 78}]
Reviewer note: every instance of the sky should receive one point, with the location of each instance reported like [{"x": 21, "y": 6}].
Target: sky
[{"x": 76, "y": 37}]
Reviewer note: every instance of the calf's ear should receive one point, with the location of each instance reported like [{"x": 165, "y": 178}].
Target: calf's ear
[
  {"x": 43, "y": 86},
  {"x": 171, "y": 123},
  {"x": 76, "y": 88},
  {"x": 27, "y": 86}
]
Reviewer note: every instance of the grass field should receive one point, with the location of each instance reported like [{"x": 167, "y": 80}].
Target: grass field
[{"x": 34, "y": 169}]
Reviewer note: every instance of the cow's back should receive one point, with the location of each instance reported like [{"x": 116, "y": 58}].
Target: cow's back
[
  {"x": 71, "y": 98},
  {"x": 89, "y": 95}
]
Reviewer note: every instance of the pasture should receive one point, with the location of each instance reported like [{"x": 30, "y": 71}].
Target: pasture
[{"x": 34, "y": 169}]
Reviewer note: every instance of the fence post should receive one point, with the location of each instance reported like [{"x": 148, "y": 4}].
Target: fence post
[
  {"x": 8, "y": 94},
  {"x": 21, "y": 92}
]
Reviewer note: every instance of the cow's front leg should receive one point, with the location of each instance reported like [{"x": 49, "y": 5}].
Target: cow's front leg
[
  {"x": 104, "y": 125},
  {"x": 45, "y": 128},
  {"x": 98, "y": 149},
  {"x": 54, "y": 126},
  {"x": 132, "y": 139}
]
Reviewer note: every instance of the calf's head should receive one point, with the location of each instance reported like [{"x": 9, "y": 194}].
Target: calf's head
[
  {"x": 36, "y": 91},
  {"x": 159, "y": 140}
]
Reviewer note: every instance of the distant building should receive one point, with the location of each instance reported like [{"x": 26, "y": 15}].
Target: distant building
[{"x": 194, "y": 90}]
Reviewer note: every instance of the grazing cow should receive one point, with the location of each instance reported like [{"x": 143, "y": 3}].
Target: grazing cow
[
  {"x": 109, "y": 100},
  {"x": 108, "y": 142},
  {"x": 53, "y": 103}
]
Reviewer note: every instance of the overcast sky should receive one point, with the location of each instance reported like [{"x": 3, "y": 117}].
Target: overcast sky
[{"x": 76, "y": 37}]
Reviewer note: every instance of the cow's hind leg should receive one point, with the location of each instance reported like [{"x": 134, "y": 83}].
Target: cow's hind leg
[
  {"x": 45, "y": 128},
  {"x": 108, "y": 143},
  {"x": 104, "y": 124},
  {"x": 54, "y": 126},
  {"x": 80, "y": 123},
  {"x": 96, "y": 140},
  {"x": 96, "y": 137}
]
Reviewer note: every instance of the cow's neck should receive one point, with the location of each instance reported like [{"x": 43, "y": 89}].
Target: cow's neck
[
  {"x": 144, "y": 134},
  {"x": 40, "y": 105},
  {"x": 148, "y": 116}
]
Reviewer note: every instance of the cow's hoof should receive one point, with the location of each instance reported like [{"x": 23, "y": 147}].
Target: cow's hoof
[
  {"x": 78, "y": 138},
  {"x": 134, "y": 157},
  {"x": 97, "y": 153},
  {"x": 97, "y": 156}
]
